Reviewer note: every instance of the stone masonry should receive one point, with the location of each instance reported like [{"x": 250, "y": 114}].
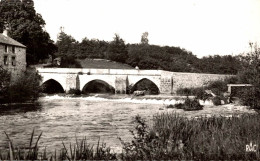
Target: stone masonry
[
  {"x": 121, "y": 79},
  {"x": 12, "y": 55}
]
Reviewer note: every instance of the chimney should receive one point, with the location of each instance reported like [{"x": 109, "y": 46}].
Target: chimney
[
  {"x": 5, "y": 32},
  {"x": 6, "y": 29}
]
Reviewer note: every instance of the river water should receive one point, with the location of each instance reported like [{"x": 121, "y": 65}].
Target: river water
[{"x": 62, "y": 119}]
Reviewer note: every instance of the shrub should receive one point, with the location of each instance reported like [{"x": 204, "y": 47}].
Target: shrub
[
  {"x": 192, "y": 104},
  {"x": 69, "y": 62},
  {"x": 250, "y": 97},
  {"x": 216, "y": 100},
  {"x": 201, "y": 94},
  {"x": 198, "y": 92},
  {"x": 184, "y": 91},
  {"x": 218, "y": 87},
  {"x": 188, "y": 105},
  {"x": 74, "y": 91},
  {"x": 178, "y": 105},
  {"x": 5, "y": 79},
  {"x": 24, "y": 88},
  {"x": 170, "y": 106}
]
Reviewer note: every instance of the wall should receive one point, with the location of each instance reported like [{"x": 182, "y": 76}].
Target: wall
[
  {"x": 189, "y": 80},
  {"x": 20, "y": 59}
]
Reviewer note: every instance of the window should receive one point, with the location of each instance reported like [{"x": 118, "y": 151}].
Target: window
[
  {"x": 6, "y": 47},
  {"x": 5, "y": 60},
  {"x": 13, "y": 61},
  {"x": 13, "y": 49}
]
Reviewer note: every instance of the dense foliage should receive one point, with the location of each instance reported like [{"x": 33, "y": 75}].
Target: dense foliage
[
  {"x": 24, "y": 88},
  {"x": 219, "y": 64},
  {"x": 27, "y": 27},
  {"x": 250, "y": 73},
  {"x": 145, "y": 56},
  {"x": 117, "y": 50}
]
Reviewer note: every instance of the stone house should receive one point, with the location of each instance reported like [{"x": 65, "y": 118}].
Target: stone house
[{"x": 12, "y": 54}]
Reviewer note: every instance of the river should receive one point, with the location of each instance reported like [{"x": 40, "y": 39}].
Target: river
[{"x": 62, "y": 119}]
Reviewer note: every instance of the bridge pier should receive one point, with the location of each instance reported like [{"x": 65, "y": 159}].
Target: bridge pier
[
  {"x": 166, "y": 83},
  {"x": 121, "y": 84},
  {"x": 72, "y": 82}
]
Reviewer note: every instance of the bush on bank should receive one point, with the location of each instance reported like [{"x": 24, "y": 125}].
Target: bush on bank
[
  {"x": 188, "y": 105},
  {"x": 25, "y": 87}
]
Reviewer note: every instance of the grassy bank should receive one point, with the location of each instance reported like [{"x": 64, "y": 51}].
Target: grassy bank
[{"x": 169, "y": 137}]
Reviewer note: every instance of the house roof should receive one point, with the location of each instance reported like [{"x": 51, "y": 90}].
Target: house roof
[{"x": 10, "y": 41}]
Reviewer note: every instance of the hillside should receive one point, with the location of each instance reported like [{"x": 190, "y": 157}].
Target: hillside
[
  {"x": 143, "y": 55},
  {"x": 102, "y": 64}
]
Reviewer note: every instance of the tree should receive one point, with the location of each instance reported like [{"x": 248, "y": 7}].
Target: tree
[
  {"x": 93, "y": 48},
  {"x": 117, "y": 50},
  {"x": 66, "y": 44},
  {"x": 27, "y": 27},
  {"x": 144, "y": 38},
  {"x": 250, "y": 73}
]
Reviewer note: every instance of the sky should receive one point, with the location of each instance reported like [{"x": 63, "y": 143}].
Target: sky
[{"x": 204, "y": 27}]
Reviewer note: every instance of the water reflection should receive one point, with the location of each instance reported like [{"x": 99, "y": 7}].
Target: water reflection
[{"x": 14, "y": 109}]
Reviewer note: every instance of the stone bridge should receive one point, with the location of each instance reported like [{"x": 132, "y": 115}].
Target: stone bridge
[{"x": 121, "y": 79}]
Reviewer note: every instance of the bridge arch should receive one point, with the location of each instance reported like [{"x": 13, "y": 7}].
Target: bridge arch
[
  {"x": 84, "y": 79},
  {"x": 52, "y": 86},
  {"x": 60, "y": 78},
  {"x": 145, "y": 84},
  {"x": 98, "y": 86}
]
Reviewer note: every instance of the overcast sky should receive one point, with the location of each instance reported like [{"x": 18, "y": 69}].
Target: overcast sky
[{"x": 204, "y": 27}]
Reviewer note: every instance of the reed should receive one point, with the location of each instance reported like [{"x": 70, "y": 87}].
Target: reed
[
  {"x": 26, "y": 153},
  {"x": 175, "y": 137},
  {"x": 81, "y": 150}
]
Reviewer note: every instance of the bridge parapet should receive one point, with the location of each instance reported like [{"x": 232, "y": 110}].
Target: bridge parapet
[{"x": 100, "y": 71}]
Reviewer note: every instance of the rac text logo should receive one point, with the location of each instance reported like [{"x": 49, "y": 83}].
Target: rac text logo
[{"x": 251, "y": 147}]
